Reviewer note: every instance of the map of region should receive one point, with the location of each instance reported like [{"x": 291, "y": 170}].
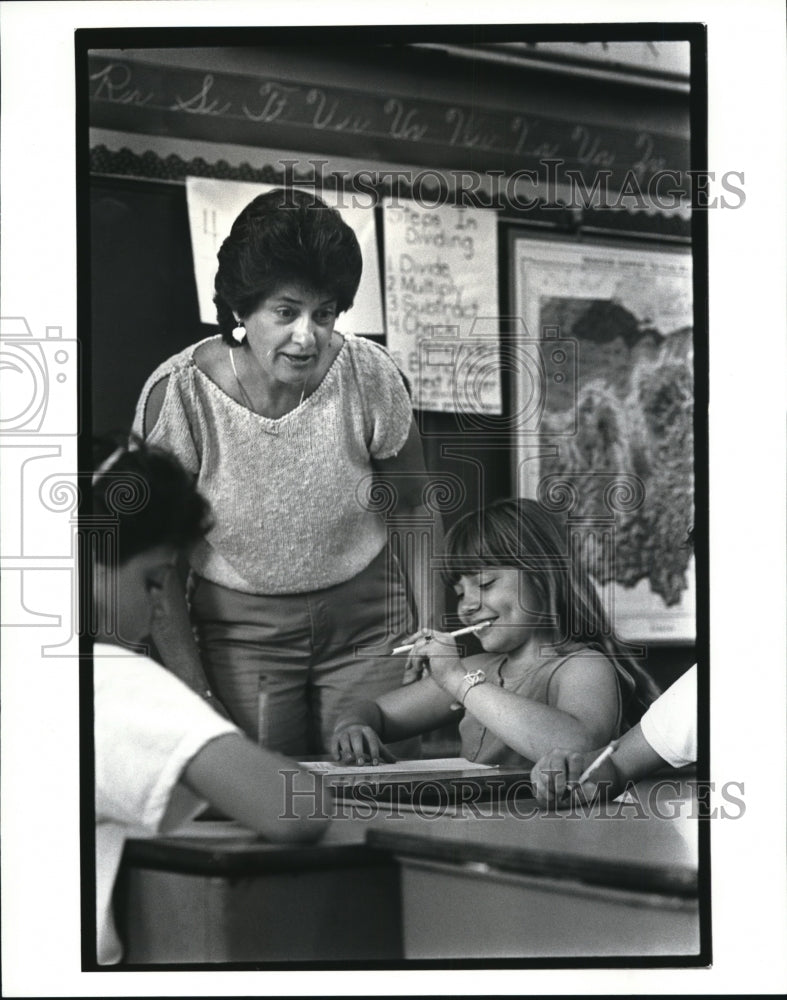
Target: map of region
[{"x": 635, "y": 416}]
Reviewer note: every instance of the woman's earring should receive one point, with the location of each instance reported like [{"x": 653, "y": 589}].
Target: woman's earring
[{"x": 239, "y": 333}]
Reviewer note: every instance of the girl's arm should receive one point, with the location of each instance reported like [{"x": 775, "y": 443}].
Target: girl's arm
[
  {"x": 397, "y": 715},
  {"x": 408, "y": 481},
  {"x": 262, "y": 790},
  {"x": 582, "y": 716}
]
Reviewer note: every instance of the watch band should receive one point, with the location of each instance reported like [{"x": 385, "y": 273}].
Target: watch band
[{"x": 470, "y": 680}]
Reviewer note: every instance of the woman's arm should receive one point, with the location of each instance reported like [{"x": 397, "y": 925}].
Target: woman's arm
[
  {"x": 264, "y": 791},
  {"x": 171, "y": 627},
  {"x": 582, "y": 716},
  {"x": 408, "y": 479},
  {"x": 172, "y": 633}
]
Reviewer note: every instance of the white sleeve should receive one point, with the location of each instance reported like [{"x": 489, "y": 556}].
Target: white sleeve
[
  {"x": 670, "y": 724},
  {"x": 148, "y": 726}
]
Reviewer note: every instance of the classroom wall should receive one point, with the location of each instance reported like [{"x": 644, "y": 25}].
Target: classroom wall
[{"x": 141, "y": 283}]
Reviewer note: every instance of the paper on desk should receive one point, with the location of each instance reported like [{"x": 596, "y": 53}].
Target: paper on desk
[{"x": 400, "y": 767}]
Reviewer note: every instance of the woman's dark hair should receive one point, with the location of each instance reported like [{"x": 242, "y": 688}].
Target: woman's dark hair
[
  {"x": 523, "y": 534},
  {"x": 148, "y": 494},
  {"x": 285, "y": 237}
]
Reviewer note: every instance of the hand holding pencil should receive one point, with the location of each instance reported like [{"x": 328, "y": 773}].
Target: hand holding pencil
[
  {"x": 433, "y": 652},
  {"x": 467, "y": 630},
  {"x": 562, "y": 774}
]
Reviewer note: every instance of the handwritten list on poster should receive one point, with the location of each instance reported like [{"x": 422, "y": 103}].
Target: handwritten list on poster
[
  {"x": 441, "y": 304},
  {"x": 213, "y": 206}
]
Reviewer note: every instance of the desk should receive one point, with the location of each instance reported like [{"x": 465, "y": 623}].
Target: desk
[
  {"x": 236, "y": 899},
  {"x": 547, "y": 885},
  {"x": 477, "y": 881}
]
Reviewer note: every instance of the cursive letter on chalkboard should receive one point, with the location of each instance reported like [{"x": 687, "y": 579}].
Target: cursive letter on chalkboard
[
  {"x": 521, "y": 126},
  {"x": 647, "y": 163},
  {"x": 198, "y": 104},
  {"x": 404, "y": 124},
  {"x": 275, "y": 95},
  {"x": 591, "y": 151},
  {"x": 112, "y": 84},
  {"x": 323, "y": 120}
]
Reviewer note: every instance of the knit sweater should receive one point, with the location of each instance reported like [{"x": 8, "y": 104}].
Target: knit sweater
[{"x": 289, "y": 496}]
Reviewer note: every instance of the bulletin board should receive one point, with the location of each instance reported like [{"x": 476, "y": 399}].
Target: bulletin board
[{"x": 604, "y": 399}]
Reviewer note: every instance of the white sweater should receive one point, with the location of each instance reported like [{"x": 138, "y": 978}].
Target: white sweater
[{"x": 288, "y": 495}]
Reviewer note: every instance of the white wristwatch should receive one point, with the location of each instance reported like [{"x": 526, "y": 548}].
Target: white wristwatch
[{"x": 468, "y": 681}]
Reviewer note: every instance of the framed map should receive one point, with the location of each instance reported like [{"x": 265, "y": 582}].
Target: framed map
[{"x": 605, "y": 433}]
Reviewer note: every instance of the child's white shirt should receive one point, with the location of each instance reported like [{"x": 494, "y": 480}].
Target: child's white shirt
[
  {"x": 670, "y": 724},
  {"x": 148, "y": 726}
]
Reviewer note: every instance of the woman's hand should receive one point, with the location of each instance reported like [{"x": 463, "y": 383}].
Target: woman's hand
[
  {"x": 556, "y": 775},
  {"x": 359, "y": 744},
  {"x": 435, "y": 653}
]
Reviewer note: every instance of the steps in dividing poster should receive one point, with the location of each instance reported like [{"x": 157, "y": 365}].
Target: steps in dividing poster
[{"x": 441, "y": 304}]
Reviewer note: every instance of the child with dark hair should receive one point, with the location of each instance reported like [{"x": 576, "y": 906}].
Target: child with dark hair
[
  {"x": 283, "y": 421},
  {"x": 550, "y": 674},
  {"x": 161, "y": 751}
]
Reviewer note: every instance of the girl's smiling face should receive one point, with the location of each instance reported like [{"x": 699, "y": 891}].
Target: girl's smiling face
[
  {"x": 289, "y": 332},
  {"x": 504, "y": 596}
]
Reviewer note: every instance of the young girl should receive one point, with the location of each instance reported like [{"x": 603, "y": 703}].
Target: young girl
[
  {"x": 161, "y": 751},
  {"x": 550, "y": 673}
]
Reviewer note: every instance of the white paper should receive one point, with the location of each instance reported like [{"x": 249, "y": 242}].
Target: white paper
[
  {"x": 445, "y": 764},
  {"x": 441, "y": 304},
  {"x": 213, "y": 205}
]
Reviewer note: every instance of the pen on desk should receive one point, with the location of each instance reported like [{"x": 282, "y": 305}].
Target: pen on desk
[
  {"x": 460, "y": 631},
  {"x": 604, "y": 755}
]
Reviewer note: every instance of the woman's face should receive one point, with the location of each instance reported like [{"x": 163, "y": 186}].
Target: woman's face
[
  {"x": 290, "y": 331},
  {"x": 504, "y": 596}
]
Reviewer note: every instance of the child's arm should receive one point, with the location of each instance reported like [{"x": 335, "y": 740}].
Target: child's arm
[
  {"x": 556, "y": 774},
  {"x": 583, "y": 713},
  {"x": 397, "y": 715},
  {"x": 248, "y": 783}
]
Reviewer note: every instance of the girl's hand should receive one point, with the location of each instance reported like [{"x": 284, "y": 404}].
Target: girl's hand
[
  {"x": 435, "y": 653},
  {"x": 359, "y": 744},
  {"x": 556, "y": 775}
]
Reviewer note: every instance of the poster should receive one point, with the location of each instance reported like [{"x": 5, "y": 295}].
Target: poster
[
  {"x": 441, "y": 304},
  {"x": 612, "y": 329}
]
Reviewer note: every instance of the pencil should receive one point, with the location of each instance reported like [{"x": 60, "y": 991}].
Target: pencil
[
  {"x": 606, "y": 753},
  {"x": 460, "y": 631}
]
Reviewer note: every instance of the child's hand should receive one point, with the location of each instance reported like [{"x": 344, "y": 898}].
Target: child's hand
[
  {"x": 359, "y": 744},
  {"x": 556, "y": 774},
  {"x": 435, "y": 653}
]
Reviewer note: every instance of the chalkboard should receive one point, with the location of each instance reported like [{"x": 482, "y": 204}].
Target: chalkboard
[{"x": 142, "y": 291}]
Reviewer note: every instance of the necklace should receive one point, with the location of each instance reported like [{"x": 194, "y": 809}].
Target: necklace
[{"x": 245, "y": 395}]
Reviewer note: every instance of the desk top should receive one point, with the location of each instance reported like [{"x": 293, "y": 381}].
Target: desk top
[{"x": 635, "y": 847}]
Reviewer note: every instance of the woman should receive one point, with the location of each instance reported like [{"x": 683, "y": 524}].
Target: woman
[{"x": 283, "y": 421}]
